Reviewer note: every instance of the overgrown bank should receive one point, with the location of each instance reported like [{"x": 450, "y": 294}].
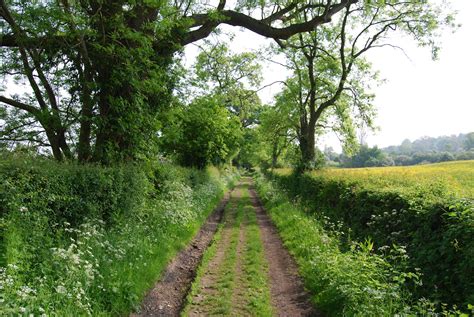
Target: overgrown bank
[
  {"x": 435, "y": 229},
  {"x": 80, "y": 240},
  {"x": 350, "y": 280},
  {"x": 352, "y": 283}
]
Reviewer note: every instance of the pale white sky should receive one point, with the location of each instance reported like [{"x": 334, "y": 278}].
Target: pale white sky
[{"x": 421, "y": 97}]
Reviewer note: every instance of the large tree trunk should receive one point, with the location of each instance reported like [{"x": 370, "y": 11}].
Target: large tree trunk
[
  {"x": 84, "y": 146},
  {"x": 307, "y": 148},
  {"x": 54, "y": 143},
  {"x": 127, "y": 108},
  {"x": 84, "y": 153},
  {"x": 307, "y": 144},
  {"x": 63, "y": 144},
  {"x": 104, "y": 145}
]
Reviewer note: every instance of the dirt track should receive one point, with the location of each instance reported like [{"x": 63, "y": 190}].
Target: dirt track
[
  {"x": 235, "y": 279},
  {"x": 168, "y": 295},
  {"x": 288, "y": 294}
]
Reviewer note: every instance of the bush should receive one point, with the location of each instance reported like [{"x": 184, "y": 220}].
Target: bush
[
  {"x": 437, "y": 229},
  {"x": 202, "y": 133},
  {"x": 70, "y": 192},
  {"x": 89, "y": 240}
]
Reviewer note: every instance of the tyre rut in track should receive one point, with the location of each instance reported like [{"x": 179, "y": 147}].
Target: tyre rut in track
[
  {"x": 289, "y": 297},
  {"x": 167, "y": 297}
]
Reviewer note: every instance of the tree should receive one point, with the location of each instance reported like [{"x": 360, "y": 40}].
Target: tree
[
  {"x": 233, "y": 77},
  {"x": 406, "y": 147},
  {"x": 468, "y": 155},
  {"x": 251, "y": 152},
  {"x": 369, "y": 157},
  {"x": 469, "y": 142},
  {"x": 277, "y": 126},
  {"x": 201, "y": 133},
  {"x": 330, "y": 86},
  {"x": 230, "y": 78},
  {"x": 99, "y": 72}
]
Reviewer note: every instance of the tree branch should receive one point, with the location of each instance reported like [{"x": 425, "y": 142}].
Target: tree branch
[
  {"x": 260, "y": 27},
  {"x": 19, "y": 105}
]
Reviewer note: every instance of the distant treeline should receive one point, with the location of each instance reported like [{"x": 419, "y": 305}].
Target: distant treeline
[{"x": 421, "y": 151}]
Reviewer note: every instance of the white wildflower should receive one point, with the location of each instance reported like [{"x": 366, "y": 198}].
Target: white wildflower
[{"x": 61, "y": 289}]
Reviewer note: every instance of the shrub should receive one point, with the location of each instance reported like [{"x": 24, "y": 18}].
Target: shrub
[
  {"x": 436, "y": 228},
  {"x": 70, "y": 192},
  {"x": 89, "y": 240}
]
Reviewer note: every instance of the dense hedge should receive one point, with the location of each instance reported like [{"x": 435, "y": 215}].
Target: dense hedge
[
  {"x": 437, "y": 230},
  {"x": 70, "y": 192},
  {"x": 90, "y": 240}
]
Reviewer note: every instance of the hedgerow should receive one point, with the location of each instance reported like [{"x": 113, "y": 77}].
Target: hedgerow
[
  {"x": 91, "y": 240},
  {"x": 351, "y": 278},
  {"x": 435, "y": 227}
]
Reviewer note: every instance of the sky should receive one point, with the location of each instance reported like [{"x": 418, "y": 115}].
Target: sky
[{"x": 420, "y": 97}]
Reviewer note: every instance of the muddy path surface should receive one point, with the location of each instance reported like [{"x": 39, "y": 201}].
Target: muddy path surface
[
  {"x": 289, "y": 297},
  {"x": 168, "y": 295},
  {"x": 240, "y": 269}
]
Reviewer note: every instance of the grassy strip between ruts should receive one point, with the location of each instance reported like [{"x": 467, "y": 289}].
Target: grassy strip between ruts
[
  {"x": 240, "y": 215},
  {"x": 255, "y": 266},
  {"x": 352, "y": 283},
  {"x": 219, "y": 302}
]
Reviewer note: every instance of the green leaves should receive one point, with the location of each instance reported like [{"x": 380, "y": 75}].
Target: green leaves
[
  {"x": 202, "y": 133},
  {"x": 435, "y": 228},
  {"x": 219, "y": 69}
]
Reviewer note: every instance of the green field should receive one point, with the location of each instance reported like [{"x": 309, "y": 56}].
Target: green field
[{"x": 458, "y": 177}]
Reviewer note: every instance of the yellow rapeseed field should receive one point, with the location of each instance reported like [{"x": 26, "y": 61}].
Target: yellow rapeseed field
[{"x": 457, "y": 176}]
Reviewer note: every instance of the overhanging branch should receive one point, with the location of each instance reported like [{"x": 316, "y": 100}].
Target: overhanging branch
[{"x": 261, "y": 27}]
